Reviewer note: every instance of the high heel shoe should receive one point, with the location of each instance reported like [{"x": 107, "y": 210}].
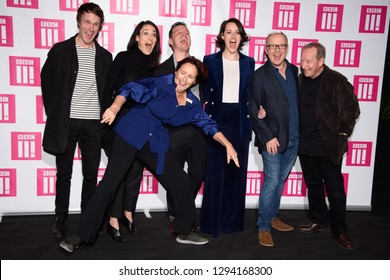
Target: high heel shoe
[
  {"x": 115, "y": 234},
  {"x": 130, "y": 226}
]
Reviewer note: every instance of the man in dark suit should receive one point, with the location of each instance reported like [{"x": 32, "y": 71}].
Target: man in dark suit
[
  {"x": 274, "y": 90},
  {"x": 187, "y": 142},
  {"x": 328, "y": 112}
]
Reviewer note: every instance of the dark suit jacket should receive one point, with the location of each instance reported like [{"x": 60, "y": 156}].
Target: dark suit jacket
[
  {"x": 212, "y": 89},
  {"x": 58, "y": 78},
  {"x": 166, "y": 68},
  {"x": 266, "y": 90},
  {"x": 337, "y": 109}
]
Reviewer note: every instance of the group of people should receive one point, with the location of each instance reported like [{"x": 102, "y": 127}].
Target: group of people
[{"x": 144, "y": 114}]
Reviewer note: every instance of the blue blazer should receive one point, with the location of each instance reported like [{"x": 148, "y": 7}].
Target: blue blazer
[
  {"x": 157, "y": 106},
  {"x": 266, "y": 90},
  {"x": 212, "y": 89}
]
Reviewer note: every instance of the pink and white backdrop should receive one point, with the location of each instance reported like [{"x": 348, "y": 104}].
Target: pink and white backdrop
[{"x": 354, "y": 32}]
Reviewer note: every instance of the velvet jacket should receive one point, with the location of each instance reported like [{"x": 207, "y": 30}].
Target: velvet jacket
[
  {"x": 265, "y": 90},
  {"x": 58, "y": 79},
  {"x": 212, "y": 89},
  {"x": 337, "y": 109}
]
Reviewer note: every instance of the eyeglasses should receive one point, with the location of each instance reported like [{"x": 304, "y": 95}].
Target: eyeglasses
[{"x": 274, "y": 46}]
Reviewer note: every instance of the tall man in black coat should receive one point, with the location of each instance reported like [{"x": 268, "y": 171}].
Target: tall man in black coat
[
  {"x": 328, "y": 112},
  {"x": 72, "y": 82}
]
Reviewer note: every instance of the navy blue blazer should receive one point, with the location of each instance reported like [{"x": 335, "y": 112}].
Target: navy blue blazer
[
  {"x": 212, "y": 89},
  {"x": 156, "y": 106},
  {"x": 266, "y": 90}
]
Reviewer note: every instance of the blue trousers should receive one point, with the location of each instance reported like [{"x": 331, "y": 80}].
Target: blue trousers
[{"x": 276, "y": 170}]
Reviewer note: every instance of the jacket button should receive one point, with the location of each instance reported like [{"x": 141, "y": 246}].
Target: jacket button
[
  {"x": 212, "y": 103},
  {"x": 150, "y": 134}
]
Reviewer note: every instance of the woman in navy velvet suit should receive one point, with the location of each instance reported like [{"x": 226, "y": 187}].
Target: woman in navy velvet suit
[{"x": 225, "y": 94}]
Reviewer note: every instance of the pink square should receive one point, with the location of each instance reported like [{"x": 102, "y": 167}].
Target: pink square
[
  {"x": 296, "y": 49},
  {"x": 7, "y": 108},
  {"x": 39, "y": 110},
  {"x": 24, "y": 71},
  {"x": 359, "y": 153},
  {"x": 47, "y": 32},
  {"x": 202, "y": 12},
  {"x": 127, "y": 7},
  {"x": 372, "y": 19},
  {"x": 6, "y": 32},
  {"x": 211, "y": 46},
  {"x": 26, "y": 146},
  {"x": 7, "y": 182},
  {"x": 286, "y": 16},
  {"x": 254, "y": 182},
  {"x": 66, "y": 5},
  {"x": 347, "y": 53},
  {"x": 329, "y": 17},
  {"x": 28, "y": 4},
  {"x": 46, "y": 181},
  {"x": 295, "y": 185},
  {"x": 106, "y": 36},
  {"x": 244, "y": 11},
  {"x": 366, "y": 87},
  {"x": 149, "y": 184},
  {"x": 173, "y": 8},
  {"x": 256, "y": 49}
]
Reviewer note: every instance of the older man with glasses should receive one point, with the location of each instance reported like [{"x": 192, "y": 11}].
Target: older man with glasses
[{"x": 273, "y": 106}]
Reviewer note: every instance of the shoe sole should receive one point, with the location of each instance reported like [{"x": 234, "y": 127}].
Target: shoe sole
[
  {"x": 284, "y": 229},
  {"x": 313, "y": 231},
  {"x": 266, "y": 244},
  {"x": 182, "y": 241},
  {"x": 65, "y": 248}
]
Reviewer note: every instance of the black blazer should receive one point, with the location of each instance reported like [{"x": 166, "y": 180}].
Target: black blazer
[
  {"x": 266, "y": 90},
  {"x": 58, "y": 78}
]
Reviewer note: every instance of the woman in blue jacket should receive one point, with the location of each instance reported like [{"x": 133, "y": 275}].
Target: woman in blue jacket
[
  {"x": 225, "y": 95},
  {"x": 140, "y": 134}
]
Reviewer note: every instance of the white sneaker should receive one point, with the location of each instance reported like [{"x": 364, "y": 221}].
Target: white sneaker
[{"x": 192, "y": 238}]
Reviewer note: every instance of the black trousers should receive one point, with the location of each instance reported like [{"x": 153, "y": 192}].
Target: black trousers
[
  {"x": 187, "y": 144},
  {"x": 321, "y": 175},
  {"x": 87, "y": 134},
  {"x": 122, "y": 156}
]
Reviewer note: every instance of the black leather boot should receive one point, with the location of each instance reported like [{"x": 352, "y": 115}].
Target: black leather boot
[
  {"x": 115, "y": 234},
  {"x": 60, "y": 226},
  {"x": 130, "y": 226}
]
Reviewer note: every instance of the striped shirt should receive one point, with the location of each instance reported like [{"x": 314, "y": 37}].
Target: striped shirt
[{"x": 85, "y": 100}]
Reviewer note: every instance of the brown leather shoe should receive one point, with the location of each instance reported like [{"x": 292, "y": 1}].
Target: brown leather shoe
[
  {"x": 265, "y": 238},
  {"x": 280, "y": 226},
  {"x": 344, "y": 241},
  {"x": 312, "y": 227}
]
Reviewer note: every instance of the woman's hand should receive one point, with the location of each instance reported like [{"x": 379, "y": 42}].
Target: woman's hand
[
  {"x": 108, "y": 116},
  {"x": 232, "y": 155}
]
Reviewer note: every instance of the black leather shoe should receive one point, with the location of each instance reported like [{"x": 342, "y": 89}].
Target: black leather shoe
[
  {"x": 312, "y": 227},
  {"x": 344, "y": 241},
  {"x": 60, "y": 226},
  {"x": 130, "y": 226},
  {"x": 115, "y": 234}
]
